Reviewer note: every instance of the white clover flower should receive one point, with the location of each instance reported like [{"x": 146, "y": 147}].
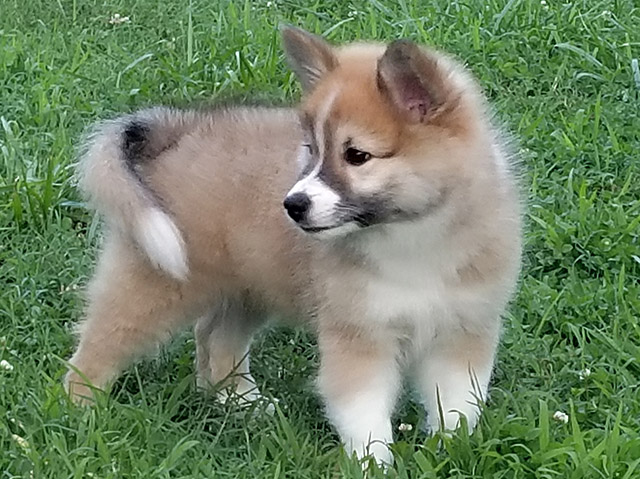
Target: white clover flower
[
  {"x": 584, "y": 374},
  {"x": 21, "y": 441},
  {"x": 117, "y": 19},
  {"x": 17, "y": 423},
  {"x": 6, "y": 365},
  {"x": 560, "y": 416}
]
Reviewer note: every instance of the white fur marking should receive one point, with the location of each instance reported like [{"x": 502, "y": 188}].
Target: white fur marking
[
  {"x": 323, "y": 199},
  {"x": 454, "y": 388},
  {"x": 408, "y": 282},
  {"x": 337, "y": 232},
  {"x": 363, "y": 418},
  {"x": 161, "y": 240},
  {"x": 321, "y": 120},
  {"x": 365, "y": 427},
  {"x": 303, "y": 157}
]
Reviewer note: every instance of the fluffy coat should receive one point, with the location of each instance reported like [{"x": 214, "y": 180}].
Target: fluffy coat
[{"x": 401, "y": 245}]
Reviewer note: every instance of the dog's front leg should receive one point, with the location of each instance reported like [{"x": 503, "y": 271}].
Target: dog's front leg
[
  {"x": 453, "y": 377},
  {"x": 359, "y": 380}
]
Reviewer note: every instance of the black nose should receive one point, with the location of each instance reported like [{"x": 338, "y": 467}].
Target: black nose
[{"x": 297, "y": 206}]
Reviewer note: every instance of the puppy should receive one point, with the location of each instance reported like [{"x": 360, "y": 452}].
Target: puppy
[{"x": 383, "y": 212}]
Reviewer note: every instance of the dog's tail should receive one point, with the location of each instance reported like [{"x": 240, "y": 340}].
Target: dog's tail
[{"x": 111, "y": 174}]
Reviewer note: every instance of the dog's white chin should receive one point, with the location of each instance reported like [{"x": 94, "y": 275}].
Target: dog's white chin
[{"x": 335, "y": 232}]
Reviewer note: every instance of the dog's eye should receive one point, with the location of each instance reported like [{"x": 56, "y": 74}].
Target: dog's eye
[{"x": 355, "y": 157}]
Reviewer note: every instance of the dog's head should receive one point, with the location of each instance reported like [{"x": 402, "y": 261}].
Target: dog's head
[{"x": 386, "y": 130}]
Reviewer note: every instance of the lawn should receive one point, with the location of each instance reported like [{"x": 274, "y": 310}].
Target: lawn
[{"x": 561, "y": 77}]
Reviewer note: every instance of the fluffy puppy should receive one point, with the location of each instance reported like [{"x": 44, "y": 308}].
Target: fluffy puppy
[{"x": 383, "y": 211}]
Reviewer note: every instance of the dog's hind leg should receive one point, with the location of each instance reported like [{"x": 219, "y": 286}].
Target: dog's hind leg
[
  {"x": 132, "y": 307},
  {"x": 223, "y": 338}
]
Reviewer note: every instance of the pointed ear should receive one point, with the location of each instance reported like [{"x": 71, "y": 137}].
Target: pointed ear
[
  {"x": 310, "y": 56},
  {"x": 412, "y": 81}
]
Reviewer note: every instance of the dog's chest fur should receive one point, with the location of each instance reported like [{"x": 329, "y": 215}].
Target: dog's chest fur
[
  {"x": 403, "y": 279},
  {"x": 406, "y": 281}
]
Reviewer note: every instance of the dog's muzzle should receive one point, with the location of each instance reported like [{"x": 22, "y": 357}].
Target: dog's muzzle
[{"x": 297, "y": 206}]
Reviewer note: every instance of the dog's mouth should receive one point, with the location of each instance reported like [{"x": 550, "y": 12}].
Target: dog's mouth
[
  {"x": 351, "y": 222},
  {"x": 344, "y": 219},
  {"x": 317, "y": 229},
  {"x": 338, "y": 229}
]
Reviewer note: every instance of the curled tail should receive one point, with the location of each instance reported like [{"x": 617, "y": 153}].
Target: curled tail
[{"x": 110, "y": 174}]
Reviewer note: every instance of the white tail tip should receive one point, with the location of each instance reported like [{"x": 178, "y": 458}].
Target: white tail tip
[{"x": 161, "y": 240}]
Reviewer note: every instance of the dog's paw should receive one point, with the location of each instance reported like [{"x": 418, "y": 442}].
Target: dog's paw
[
  {"x": 78, "y": 390},
  {"x": 251, "y": 398}
]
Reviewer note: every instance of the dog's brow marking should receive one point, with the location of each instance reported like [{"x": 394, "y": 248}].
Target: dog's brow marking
[{"x": 321, "y": 121}]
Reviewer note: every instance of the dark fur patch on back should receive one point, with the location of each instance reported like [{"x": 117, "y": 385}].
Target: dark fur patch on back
[
  {"x": 135, "y": 138},
  {"x": 137, "y": 148}
]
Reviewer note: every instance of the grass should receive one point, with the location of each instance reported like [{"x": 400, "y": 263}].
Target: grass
[{"x": 560, "y": 76}]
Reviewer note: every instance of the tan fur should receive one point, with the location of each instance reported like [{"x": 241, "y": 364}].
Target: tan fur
[
  {"x": 420, "y": 293},
  {"x": 241, "y": 247}
]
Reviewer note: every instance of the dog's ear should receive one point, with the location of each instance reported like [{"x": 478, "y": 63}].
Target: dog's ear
[
  {"x": 310, "y": 56},
  {"x": 412, "y": 81}
]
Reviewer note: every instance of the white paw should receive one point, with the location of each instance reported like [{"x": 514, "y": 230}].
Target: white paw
[
  {"x": 377, "y": 450},
  {"x": 249, "y": 398},
  {"x": 381, "y": 454},
  {"x": 452, "y": 422}
]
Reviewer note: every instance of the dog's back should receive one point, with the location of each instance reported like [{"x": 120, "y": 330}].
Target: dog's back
[{"x": 200, "y": 192}]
